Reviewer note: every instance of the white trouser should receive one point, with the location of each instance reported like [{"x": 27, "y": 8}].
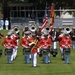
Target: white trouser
[
  {"x": 15, "y": 52},
  {"x": 12, "y": 56},
  {"x": 34, "y": 59},
  {"x": 30, "y": 56},
  {"x": 54, "y": 45},
  {"x": 6, "y": 26},
  {"x": 16, "y": 48},
  {"x": 49, "y": 57},
  {"x": 61, "y": 50},
  {"x": 38, "y": 50},
  {"x": 1, "y": 28}
]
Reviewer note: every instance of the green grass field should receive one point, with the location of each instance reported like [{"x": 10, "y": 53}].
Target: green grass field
[{"x": 18, "y": 66}]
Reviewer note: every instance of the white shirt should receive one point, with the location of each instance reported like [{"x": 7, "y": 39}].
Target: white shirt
[
  {"x": 6, "y": 22},
  {"x": 2, "y": 22}
]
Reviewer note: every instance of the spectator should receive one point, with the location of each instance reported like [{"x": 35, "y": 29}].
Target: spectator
[
  {"x": 6, "y": 24},
  {"x": 2, "y": 24}
]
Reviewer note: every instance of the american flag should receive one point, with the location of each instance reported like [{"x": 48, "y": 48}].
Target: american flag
[{"x": 45, "y": 20}]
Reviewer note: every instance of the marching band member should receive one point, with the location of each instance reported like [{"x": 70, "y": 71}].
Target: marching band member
[
  {"x": 33, "y": 45},
  {"x": 65, "y": 44},
  {"x": 9, "y": 45},
  {"x": 53, "y": 33},
  {"x": 44, "y": 45},
  {"x": 16, "y": 36},
  {"x": 26, "y": 47},
  {"x": 61, "y": 48},
  {"x": 15, "y": 39}
]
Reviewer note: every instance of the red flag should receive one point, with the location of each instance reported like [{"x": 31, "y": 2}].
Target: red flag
[{"x": 52, "y": 15}]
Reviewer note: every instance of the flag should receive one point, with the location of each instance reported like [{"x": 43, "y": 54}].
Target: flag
[
  {"x": 45, "y": 20},
  {"x": 52, "y": 15}
]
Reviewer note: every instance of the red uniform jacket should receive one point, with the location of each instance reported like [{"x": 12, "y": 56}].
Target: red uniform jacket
[
  {"x": 27, "y": 42},
  {"x": 34, "y": 48},
  {"x": 65, "y": 41},
  {"x": 14, "y": 37},
  {"x": 24, "y": 42},
  {"x": 8, "y": 43},
  {"x": 45, "y": 42}
]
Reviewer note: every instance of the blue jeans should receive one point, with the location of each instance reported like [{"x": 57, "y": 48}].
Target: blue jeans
[
  {"x": 46, "y": 59},
  {"x": 9, "y": 59},
  {"x": 67, "y": 58},
  {"x": 27, "y": 58}
]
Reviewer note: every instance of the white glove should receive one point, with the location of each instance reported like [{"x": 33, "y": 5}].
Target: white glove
[
  {"x": 61, "y": 34},
  {"x": 31, "y": 43}
]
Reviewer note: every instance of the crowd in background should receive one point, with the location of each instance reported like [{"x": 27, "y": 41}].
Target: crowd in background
[{"x": 4, "y": 23}]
